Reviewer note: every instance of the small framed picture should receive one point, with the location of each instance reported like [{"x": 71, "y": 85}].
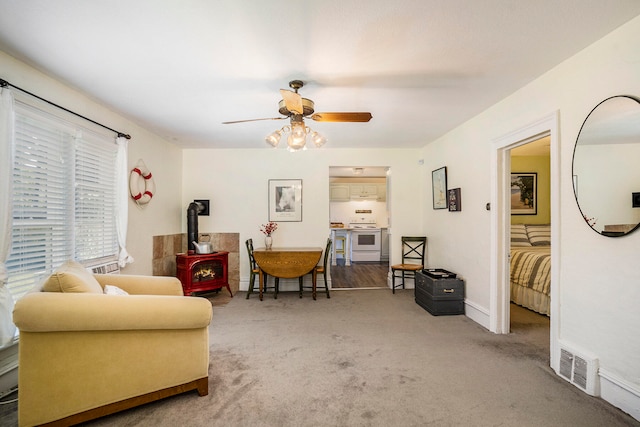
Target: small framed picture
[
  {"x": 285, "y": 200},
  {"x": 439, "y": 186},
  {"x": 455, "y": 202},
  {"x": 524, "y": 193}
]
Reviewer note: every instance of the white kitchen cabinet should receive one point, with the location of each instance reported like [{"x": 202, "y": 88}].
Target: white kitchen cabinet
[
  {"x": 382, "y": 193},
  {"x": 339, "y": 192},
  {"x": 364, "y": 191}
]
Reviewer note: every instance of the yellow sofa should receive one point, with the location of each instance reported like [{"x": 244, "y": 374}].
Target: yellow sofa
[{"x": 84, "y": 354}]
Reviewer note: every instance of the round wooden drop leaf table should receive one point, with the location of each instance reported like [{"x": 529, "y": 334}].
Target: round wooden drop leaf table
[{"x": 288, "y": 263}]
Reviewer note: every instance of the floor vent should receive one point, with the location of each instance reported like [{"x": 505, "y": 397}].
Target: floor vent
[
  {"x": 579, "y": 370},
  {"x": 107, "y": 268}
]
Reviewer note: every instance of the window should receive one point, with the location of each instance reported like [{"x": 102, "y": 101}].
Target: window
[{"x": 64, "y": 196}]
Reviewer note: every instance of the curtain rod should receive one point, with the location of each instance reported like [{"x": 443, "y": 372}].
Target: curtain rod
[{"x": 4, "y": 83}]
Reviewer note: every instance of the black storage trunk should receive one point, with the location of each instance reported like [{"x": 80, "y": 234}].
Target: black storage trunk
[{"x": 439, "y": 292}]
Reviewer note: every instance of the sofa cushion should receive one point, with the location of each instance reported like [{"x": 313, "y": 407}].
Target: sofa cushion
[{"x": 72, "y": 277}]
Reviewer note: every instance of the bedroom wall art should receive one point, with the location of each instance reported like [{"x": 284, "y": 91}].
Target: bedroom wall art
[{"x": 524, "y": 193}]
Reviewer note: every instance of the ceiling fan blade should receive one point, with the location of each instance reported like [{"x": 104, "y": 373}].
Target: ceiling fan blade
[
  {"x": 341, "y": 117},
  {"x": 253, "y": 120},
  {"x": 292, "y": 100}
]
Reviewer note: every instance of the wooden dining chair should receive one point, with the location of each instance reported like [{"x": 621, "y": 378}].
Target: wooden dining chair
[
  {"x": 320, "y": 269},
  {"x": 255, "y": 270},
  {"x": 413, "y": 252}
]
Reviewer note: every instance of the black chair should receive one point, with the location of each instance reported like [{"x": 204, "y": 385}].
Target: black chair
[
  {"x": 255, "y": 270},
  {"x": 413, "y": 251},
  {"x": 320, "y": 269}
]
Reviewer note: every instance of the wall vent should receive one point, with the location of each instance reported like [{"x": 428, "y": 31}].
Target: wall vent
[
  {"x": 566, "y": 364},
  {"x": 106, "y": 268},
  {"x": 580, "y": 370}
]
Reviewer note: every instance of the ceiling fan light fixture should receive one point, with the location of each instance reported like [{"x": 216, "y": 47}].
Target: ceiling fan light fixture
[
  {"x": 297, "y": 108},
  {"x": 298, "y": 137},
  {"x": 318, "y": 140},
  {"x": 295, "y": 144},
  {"x": 273, "y": 139}
]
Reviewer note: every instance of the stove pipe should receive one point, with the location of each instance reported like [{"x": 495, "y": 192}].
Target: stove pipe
[{"x": 192, "y": 225}]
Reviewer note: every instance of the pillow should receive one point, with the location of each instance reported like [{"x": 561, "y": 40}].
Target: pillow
[
  {"x": 539, "y": 235},
  {"x": 72, "y": 277},
  {"x": 519, "y": 236},
  {"x": 114, "y": 290}
]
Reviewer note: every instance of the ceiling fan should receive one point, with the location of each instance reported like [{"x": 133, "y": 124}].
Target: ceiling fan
[{"x": 297, "y": 108}]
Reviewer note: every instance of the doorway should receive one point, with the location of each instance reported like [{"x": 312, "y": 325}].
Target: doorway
[
  {"x": 499, "y": 313},
  {"x": 529, "y": 211},
  {"x": 359, "y": 216}
]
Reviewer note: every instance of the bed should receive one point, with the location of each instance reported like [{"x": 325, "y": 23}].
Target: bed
[{"x": 530, "y": 268}]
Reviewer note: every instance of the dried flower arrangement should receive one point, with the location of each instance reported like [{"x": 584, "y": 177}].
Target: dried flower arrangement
[{"x": 269, "y": 228}]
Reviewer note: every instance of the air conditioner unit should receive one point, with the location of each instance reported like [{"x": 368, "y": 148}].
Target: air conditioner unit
[
  {"x": 110, "y": 267},
  {"x": 580, "y": 369}
]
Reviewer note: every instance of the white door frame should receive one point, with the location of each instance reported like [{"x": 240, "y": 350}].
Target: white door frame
[{"x": 499, "y": 318}]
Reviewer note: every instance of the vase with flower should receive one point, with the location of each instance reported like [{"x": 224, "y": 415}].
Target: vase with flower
[{"x": 267, "y": 229}]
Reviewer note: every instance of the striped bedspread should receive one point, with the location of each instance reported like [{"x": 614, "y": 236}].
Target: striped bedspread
[{"x": 531, "y": 267}]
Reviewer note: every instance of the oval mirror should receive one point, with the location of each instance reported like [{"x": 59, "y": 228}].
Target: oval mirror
[{"x": 606, "y": 169}]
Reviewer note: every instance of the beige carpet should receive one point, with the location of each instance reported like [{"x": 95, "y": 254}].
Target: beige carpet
[{"x": 370, "y": 358}]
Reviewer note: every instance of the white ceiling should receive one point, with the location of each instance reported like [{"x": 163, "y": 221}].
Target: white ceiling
[{"x": 421, "y": 67}]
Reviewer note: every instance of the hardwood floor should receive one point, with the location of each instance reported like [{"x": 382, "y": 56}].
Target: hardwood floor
[{"x": 359, "y": 275}]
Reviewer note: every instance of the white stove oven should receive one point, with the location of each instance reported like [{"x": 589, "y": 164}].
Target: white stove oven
[{"x": 365, "y": 239}]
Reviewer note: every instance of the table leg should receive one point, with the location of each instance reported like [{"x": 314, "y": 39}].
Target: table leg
[
  {"x": 314, "y": 277},
  {"x": 261, "y": 281}
]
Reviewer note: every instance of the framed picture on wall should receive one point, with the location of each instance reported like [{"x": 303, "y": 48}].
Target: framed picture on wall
[
  {"x": 455, "y": 200},
  {"x": 439, "y": 188},
  {"x": 524, "y": 193},
  {"x": 285, "y": 200}
]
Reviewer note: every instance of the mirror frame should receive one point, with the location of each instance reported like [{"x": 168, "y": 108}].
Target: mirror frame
[{"x": 573, "y": 159}]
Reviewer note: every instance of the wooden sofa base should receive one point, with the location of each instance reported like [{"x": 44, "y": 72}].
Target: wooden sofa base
[{"x": 201, "y": 385}]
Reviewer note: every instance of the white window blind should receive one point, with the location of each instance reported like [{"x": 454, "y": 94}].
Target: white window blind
[{"x": 64, "y": 196}]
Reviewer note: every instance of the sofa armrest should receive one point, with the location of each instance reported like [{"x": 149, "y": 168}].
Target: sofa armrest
[
  {"x": 52, "y": 311},
  {"x": 142, "y": 285}
]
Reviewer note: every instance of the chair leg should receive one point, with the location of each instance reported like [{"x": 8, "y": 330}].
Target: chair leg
[
  {"x": 276, "y": 288},
  {"x": 326, "y": 284},
  {"x": 393, "y": 281},
  {"x": 300, "y": 280},
  {"x": 252, "y": 283},
  {"x": 403, "y": 272}
]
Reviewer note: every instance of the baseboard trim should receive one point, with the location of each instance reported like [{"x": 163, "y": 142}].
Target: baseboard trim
[
  {"x": 200, "y": 385},
  {"x": 477, "y": 313},
  {"x": 620, "y": 393}
]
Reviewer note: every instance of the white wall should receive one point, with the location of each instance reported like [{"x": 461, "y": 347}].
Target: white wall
[
  {"x": 236, "y": 182},
  {"x": 599, "y": 286},
  {"x": 163, "y": 214}
]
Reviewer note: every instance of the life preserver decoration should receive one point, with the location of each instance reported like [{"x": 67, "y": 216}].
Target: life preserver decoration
[{"x": 141, "y": 184}]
